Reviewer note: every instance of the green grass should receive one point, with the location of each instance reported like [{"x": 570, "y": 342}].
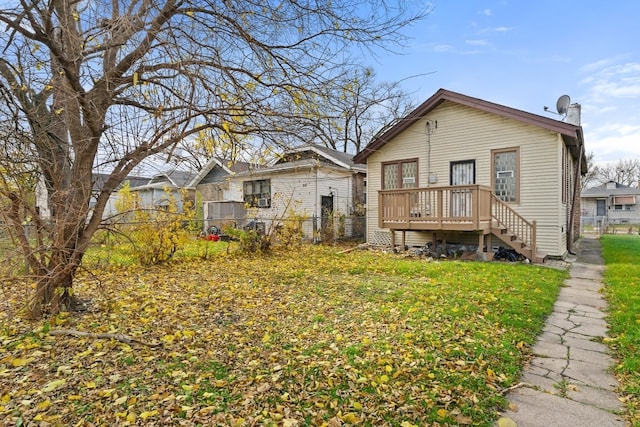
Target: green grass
[
  {"x": 119, "y": 253},
  {"x": 622, "y": 279},
  {"x": 309, "y": 336}
]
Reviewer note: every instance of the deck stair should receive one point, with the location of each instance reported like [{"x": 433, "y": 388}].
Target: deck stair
[{"x": 514, "y": 230}]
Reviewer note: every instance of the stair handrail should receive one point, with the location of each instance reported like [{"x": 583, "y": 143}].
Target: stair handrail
[{"x": 513, "y": 222}]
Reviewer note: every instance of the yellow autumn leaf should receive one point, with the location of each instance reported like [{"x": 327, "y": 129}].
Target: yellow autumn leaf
[
  {"x": 148, "y": 414},
  {"x": 120, "y": 400},
  {"x": 131, "y": 417},
  {"x": 51, "y": 386},
  {"x": 350, "y": 418},
  {"x": 135, "y": 79},
  {"x": 106, "y": 392},
  {"x": 74, "y": 397},
  {"x": 90, "y": 384},
  {"x": 44, "y": 405},
  {"x": 506, "y": 422},
  {"x": 85, "y": 353},
  {"x": 18, "y": 361},
  {"x": 442, "y": 412}
]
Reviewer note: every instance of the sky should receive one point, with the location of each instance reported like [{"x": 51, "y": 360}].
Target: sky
[{"x": 526, "y": 54}]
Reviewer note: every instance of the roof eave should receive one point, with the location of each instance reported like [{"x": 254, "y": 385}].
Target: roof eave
[{"x": 443, "y": 95}]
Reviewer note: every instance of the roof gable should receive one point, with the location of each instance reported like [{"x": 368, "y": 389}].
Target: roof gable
[
  {"x": 571, "y": 134},
  {"x": 172, "y": 179},
  {"x": 229, "y": 167}
]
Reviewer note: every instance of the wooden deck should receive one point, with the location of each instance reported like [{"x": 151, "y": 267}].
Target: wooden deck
[{"x": 469, "y": 208}]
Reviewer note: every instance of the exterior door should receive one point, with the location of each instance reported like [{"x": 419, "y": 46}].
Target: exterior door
[
  {"x": 601, "y": 209},
  {"x": 462, "y": 173},
  {"x": 326, "y": 213}
]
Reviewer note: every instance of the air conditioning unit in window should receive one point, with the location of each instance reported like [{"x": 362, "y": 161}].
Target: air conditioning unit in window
[
  {"x": 263, "y": 203},
  {"x": 504, "y": 174},
  {"x": 409, "y": 180}
]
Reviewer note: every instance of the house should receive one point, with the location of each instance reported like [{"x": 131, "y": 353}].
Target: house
[
  {"x": 322, "y": 187},
  {"x": 611, "y": 203},
  {"x": 221, "y": 199},
  {"x": 42, "y": 200},
  {"x": 111, "y": 208},
  {"x": 465, "y": 170},
  {"x": 157, "y": 191}
]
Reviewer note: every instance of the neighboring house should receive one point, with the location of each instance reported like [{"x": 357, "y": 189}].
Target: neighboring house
[
  {"x": 461, "y": 169},
  {"x": 111, "y": 208},
  {"x": 612, "y": 203},
  {"x": 220, "y": 199},
  {"x": 311, "y": 181},
  {"x": 42, "y": 201},
  {"x": 156, "y": 193}
]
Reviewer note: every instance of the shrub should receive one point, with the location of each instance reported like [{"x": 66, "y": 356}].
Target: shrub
[{"x": 156, "y": 233}]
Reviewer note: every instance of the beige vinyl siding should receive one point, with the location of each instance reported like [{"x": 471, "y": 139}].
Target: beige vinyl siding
[{"x": 464, "y": 133}]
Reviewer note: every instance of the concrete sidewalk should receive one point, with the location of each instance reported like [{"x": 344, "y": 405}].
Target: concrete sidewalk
[{"x": 568, "y": 382}]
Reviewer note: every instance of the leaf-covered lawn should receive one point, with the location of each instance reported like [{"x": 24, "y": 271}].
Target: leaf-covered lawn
[
  {"x": 622, "y": 278},
  {"x": 309, "y": 337}
]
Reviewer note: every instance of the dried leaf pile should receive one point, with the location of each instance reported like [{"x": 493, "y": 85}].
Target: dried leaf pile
[{"x": 303, "y": 338}]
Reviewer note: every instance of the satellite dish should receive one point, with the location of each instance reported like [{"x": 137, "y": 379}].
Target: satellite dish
[{"x": 563, "y": 104}]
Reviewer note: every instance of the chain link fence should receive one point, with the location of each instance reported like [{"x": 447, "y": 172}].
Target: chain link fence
[{"x": 603, "y": 225}]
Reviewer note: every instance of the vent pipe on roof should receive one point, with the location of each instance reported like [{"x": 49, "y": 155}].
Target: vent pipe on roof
[{"x": 573, "y": 114}]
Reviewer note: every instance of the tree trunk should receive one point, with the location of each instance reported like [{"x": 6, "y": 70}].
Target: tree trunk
[{"x": 54, "y": 294}]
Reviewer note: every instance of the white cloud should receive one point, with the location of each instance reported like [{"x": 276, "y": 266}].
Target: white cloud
[
  {"x": 485, "y": 12},
  {"x": 609, "y": 81},
  {"x": 443, "y": 48},
  {"x": 613, "y": 141},
  {"x": 477, "y": 42},
  {"x": 503, "y": 29}
]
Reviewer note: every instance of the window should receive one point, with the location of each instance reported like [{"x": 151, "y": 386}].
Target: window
[
  {"x": 624, "y": 203},
  {"x": 624, "y": 207},
  {"x": 506, "y": 168},
  {"x": 400, "y": 174},
  {"x": 257, "y": 194},
  {"x": 567, "y": 175},
  {"x": 463, "y": 172}
]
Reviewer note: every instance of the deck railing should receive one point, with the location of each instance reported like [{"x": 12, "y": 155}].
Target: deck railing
[
  {"x": 509, "y": 220},
  {"x": 456, "y": 207}
]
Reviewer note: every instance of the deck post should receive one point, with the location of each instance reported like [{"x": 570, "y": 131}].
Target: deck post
[
  {"x": 393, "y": 239},
  {"x": 480, "y": 242},
  {"x": 534, "y": 241},
  {"x": 404, "y": 240}
]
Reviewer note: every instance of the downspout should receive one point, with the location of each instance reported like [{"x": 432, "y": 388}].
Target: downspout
[{"x": 576, "y": 186}]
